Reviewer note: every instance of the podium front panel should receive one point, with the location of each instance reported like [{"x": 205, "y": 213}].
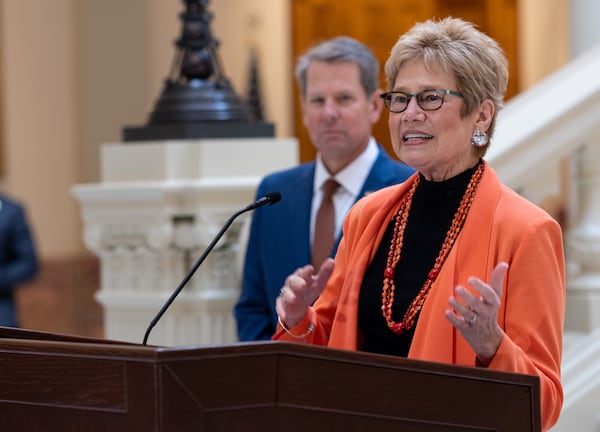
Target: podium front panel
[{"x": 59, "y": 383}]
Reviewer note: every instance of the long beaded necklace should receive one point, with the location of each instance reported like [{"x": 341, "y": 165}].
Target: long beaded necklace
[{"x": 389, "y": 286}]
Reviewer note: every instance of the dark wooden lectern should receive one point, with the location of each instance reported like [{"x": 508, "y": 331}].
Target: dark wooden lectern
[{"x": 51, "y": 382}]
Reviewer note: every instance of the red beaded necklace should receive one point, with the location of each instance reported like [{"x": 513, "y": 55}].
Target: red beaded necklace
[{"x": 387, "y": 295}]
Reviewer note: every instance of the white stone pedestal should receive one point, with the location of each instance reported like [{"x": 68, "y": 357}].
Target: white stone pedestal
[
  {"x": 583, "y": 245},
  {"x": 156, "y": 209}
]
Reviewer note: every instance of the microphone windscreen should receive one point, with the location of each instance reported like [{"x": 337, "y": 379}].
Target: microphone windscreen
[{"x": 273, "y": 197}]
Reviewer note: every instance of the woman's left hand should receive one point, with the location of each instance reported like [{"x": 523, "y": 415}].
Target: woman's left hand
[{"x": 477, "y": 317}]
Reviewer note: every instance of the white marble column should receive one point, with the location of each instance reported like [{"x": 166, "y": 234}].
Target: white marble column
[
  {"x": 158, "y": 206},
  {"x": 583, "y": 238},
  {"x": 583, "y": 244}
]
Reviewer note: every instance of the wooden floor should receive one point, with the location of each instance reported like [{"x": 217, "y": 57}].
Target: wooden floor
[{"x": 61, "y": 298}]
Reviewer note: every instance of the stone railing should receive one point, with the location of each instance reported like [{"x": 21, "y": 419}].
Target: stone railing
[{"x": 557, "y": 121}]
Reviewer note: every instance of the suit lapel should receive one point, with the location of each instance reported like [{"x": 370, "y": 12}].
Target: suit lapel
[{"x": 299, "y": 195}]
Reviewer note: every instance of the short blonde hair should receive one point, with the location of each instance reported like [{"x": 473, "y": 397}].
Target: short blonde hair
[{"x": 475, "y": 60}]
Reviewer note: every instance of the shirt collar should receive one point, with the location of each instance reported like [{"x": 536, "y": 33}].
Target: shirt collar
[{"x": 353, "y": 177}]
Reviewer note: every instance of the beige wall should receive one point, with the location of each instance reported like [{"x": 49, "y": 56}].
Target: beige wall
[
  {"x": 75, "y": 72},
  {"x": 41, "y": 121},
  {"x": 544, "y": 42},
  {"x": 113, "y": 66}
]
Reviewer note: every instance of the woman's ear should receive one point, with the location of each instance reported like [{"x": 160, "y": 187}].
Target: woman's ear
[{"x": 485, "y": 115}]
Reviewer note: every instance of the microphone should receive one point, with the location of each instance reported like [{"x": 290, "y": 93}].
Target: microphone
[{"x": 270, "y": 198}]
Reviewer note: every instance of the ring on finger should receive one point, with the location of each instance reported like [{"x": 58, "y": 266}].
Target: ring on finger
[{"x": 471, "y": 320}]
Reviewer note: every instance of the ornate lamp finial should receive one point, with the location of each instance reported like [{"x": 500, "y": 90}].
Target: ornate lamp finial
[{"x": 197, "y": 100}]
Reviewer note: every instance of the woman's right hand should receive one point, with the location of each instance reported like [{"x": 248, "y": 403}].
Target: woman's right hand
[{"x": 300, "y": 290}]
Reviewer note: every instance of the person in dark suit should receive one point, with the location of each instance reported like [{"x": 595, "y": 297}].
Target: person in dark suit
[
  {"x": 338, "y": 81},
  {"x": 18, "y": 260}
]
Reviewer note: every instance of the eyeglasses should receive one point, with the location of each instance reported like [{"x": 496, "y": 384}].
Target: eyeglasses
[{"x": 428, "y": 100}]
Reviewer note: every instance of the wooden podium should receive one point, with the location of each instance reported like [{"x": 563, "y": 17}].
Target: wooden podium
[{"x": 51, "y": 382}]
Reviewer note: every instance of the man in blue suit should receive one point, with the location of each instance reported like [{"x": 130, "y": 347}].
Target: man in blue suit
[
  {"x": 18, "y": 261},
  {"x": 338, "y": 81}
]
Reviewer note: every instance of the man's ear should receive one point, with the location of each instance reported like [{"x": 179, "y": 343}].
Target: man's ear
[{"x": 377, "y": 105}]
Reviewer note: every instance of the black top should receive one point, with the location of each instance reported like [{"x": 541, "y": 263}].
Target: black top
[{"x": 433, "y": 207}]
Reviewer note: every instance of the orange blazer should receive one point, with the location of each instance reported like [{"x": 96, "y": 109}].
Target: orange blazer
[{"x": 500, "y": 226}]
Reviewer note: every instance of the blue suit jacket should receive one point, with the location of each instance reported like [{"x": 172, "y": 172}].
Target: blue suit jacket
[
  {"x": 279, "y": 240},
  {"x": 18, "y": 261}
]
